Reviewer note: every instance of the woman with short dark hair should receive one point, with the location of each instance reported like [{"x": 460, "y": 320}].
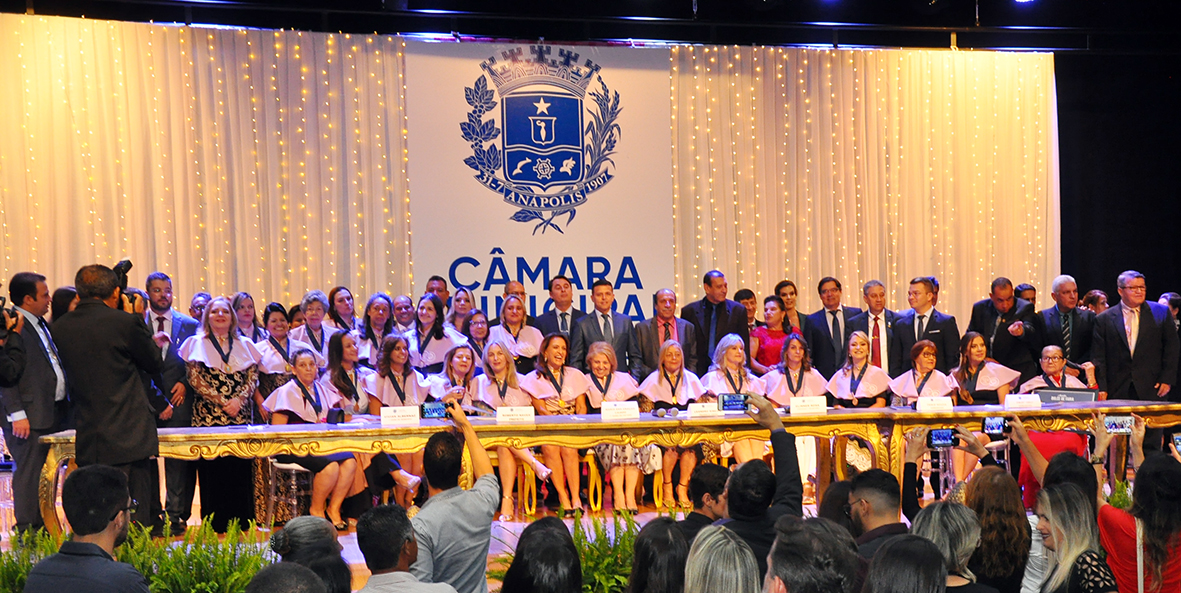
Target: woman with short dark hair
[{"x": 546, "y": 560}]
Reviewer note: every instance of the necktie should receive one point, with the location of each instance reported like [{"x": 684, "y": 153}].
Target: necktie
[
  {"x": 1132, "y": 327},
  {"x": 995, "y": 328},
  {"x": 837, "y": 342},
  {"x": 608, "y": 336},
  {"x": 159, "y": 323},
  {"x": 48, "y": 338},
  {"x": 919, "y": 329},
  {"x": 875, "y": 357},
  {"x": 565, "y": 327},
  {"x": 1066, "y": 335},
  {"x": 667, "y": 334}
]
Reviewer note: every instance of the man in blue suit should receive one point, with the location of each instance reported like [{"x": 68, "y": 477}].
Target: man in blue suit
[
  {"x": 560, "y": 319},
  {"x": 924, "y": 322},
  {"x": 828, "y": 328},
  {"x": 878, "y": 323},
  {"x": 604, "y": 325},
  {"x": 179, "y": 475}
]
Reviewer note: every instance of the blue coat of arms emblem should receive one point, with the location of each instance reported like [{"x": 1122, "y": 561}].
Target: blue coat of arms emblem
[{"x": 555, "y": 143}]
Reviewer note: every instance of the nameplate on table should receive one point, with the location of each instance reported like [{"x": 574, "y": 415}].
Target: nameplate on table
[
  {"x": 1023, "y": 401},
  {"x": 808, "y": 406},
  {"x": 399, "y": 416},
  {"x": 931, "y": 405},
  {"x": 1058, "y": 395},
  {"x": 706, "y": 410},
  {"x": 627, "y": 410},
  {"x": 515, "y": 414}
]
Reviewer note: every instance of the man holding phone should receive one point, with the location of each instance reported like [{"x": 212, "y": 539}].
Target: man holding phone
[{"x": 454, "y": 526}]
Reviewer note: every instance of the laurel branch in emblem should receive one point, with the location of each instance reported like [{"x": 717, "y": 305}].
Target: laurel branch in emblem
[{"x": 598, "y": 140}]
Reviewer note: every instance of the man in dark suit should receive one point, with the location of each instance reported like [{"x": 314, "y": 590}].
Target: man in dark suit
[
  {"x": 653, "y": 332},
  {"x": 517, "y": 289},
  {"x": 563, "y": 316},
  {"x": 107, "y": 351},
  {"x": 924, "y": 322},
  {"x": 829, "y": 323},
  {"x": 605, "y": 325},
  {"x": 1135, "y": 345},
  {"x": 714, "y": 316},
  {"x": 878, "y": 323},
  {"x": 1065, "y": 325},
  {"x": 179, "y": 475},
  {"x": 38, "y": 404},
  {"x": 1007, "y": 324}
]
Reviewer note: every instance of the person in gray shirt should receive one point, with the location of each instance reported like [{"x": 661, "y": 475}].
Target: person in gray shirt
[{"x": 454, "y": 527}]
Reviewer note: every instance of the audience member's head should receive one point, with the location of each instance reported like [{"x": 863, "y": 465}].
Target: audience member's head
[
  {"x": 442, "y": 460},
  {"x": 832, "y": 506},
  {"x": 720, "y": 560},
  {"x": 906, "y": 564},
  {"x": 96, "y": 281},
  {"x": 802, "y": 561},
  {"x": 324, "y": 560},
  {"x": 1067, "y": 467},
  {"x": 706, "y": 485},
  {"x": 954, "y": 529},
  {"x": 750, "y": 490},
  {"x": 286, "y": 577},
  {"x": 658, "y": 565},
  {"x": 1004, "y": 528},
  {"x": 95, "y": 500},
  {"x": 838, "y": 549},
  {"x": 546, "y": 560},
  {"x": 64, "y": 300},
  {"x": 1068, "y": 528},
  {"x": 302, "y": 532},
  {"x": 874, "y": 500},
  {"x": 386, "y": 539},
  {"x": 1154, "y": 503}
]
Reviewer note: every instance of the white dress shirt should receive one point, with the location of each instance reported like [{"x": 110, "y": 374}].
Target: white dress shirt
[{"x": 151, "y": 317}]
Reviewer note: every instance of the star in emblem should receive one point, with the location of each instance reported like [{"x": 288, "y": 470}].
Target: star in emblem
[
  {"x": 544, "y": 169},
  {"x": 542, "y": 106}
]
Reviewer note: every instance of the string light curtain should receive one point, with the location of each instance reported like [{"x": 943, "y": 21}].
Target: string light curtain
[
  {"x": 266, "y": 161},
  {"x": 864, "y": 164}
]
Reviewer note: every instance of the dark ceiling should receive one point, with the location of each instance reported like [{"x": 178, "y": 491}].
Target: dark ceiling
[{"x": 1104, "y": 26}]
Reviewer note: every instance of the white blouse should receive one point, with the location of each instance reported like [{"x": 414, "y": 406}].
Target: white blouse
[
  {"x": 938, "y": 385},
  {"x": 574, "y": 384},
  {"x": 715, "y": 382},
  {"x": 358, "y": 375},
  {"x": 622, "y": 387},
  {"x": 272, "y": 361},
  {"x": 991, "y": 376},
  {"x": 487, "y": 391},
  {"x": 778, "y": 391},
  {"x": 658, "y": 390},
  {"x": 527, "y": 343},
  {"x": 301, "y": 333},
  {"x": 289, "y": 398},
  {"x": 873, "y": 384},
  {"x": 439, "y": 384},
  {"x": 415, "y": 387},
  {"x": 242, "y": 353},
  {"x": 431, "y": 353}
]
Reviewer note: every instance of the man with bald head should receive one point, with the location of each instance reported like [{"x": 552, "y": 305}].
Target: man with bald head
[{"x": 663, "y": 326}]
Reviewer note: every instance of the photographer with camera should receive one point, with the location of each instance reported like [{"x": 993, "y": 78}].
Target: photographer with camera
[
  {"x": 12, "y": 347},
  {"x": 36, "y": 404},
  {"x": 107, "y": 352}
]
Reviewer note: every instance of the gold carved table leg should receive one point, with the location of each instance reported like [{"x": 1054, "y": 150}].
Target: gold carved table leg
[{"x": 47, "y": 491}]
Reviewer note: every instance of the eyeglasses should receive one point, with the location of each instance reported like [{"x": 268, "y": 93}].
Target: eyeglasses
[
  {"x": 1053, "y": 358},
  {"x": 128, "y": 508},
  {"x": 1134, "y": 288},
  {"x": 848, "y": 507}
]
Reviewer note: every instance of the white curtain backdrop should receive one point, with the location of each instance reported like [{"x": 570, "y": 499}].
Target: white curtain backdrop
[
  {"x": 266, "y": 161},
  {"x": 275, "y": 162},
  {"x": 864, "y": 164}
]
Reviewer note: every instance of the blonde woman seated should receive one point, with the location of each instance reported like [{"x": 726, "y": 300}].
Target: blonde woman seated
[
  {"x": 500, "y": 385},
  {"x": 523, "y": 341},
  {"x": 859, "y": 384},
  {"x": 559, "y": 389},
  {"x": 729, "y": 374},
  {"x": 979, "y": 380},
  {"x": 623, "y": 463},
  {"x": 396, "y": 384},
  {"x": 459, "y": 367},
  {"x": 924, "y": 380},
  {"x": 303, "y": 401},
  {"x": 673, "y": 386},
  {"x": 344, "y": 375}
]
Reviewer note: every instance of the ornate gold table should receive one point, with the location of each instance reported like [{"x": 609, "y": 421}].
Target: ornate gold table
[{"x": 881, "y": 427}]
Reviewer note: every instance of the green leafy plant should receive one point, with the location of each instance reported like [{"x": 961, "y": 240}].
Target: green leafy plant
[
  {"x": 1120, "y": 498},
  {"x": 27, "y": 549},
  {"x": 201, "y": 562}
]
